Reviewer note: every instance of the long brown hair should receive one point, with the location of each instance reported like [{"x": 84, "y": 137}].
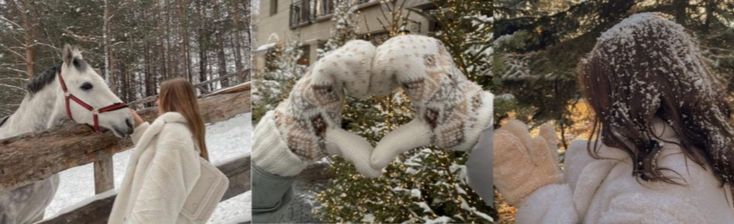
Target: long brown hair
[
  {"x": 648, "y": 67},
  {"x": 178, "y": 95}
]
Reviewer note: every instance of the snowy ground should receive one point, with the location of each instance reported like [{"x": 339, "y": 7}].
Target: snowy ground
[{"x": 225, "y": 140}]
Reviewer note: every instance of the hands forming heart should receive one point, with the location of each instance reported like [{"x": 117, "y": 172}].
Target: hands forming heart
[{"x": 450, "y": 110}]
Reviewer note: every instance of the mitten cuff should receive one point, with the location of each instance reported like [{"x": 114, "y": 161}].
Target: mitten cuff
[
  {"x": 270, "y": 151},
  {"x": 484, "y": 116}
]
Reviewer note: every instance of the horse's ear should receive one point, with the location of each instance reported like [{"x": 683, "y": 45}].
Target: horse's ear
[{"x": 68, "y": 54}]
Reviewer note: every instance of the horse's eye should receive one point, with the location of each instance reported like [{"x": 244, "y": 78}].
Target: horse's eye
[{"x": 87, "y": 86}]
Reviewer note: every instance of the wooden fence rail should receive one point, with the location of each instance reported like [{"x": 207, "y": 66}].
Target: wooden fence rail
[
  {"x": 97, "y": 210},
  {"x": 35, "y": 156}
]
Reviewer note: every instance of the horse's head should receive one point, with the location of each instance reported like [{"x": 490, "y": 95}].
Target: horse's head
[{"x": 83, "y": 82}]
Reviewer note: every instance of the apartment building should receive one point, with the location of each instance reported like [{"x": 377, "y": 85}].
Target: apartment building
[{"x": 310, "y": 21}]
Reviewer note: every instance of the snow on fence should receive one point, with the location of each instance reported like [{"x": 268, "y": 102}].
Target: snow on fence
[{"x": 36, "y": 156}]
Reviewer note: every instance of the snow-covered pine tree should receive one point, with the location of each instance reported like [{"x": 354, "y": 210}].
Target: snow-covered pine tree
[
  {"x": 466, "y": 30},
  {"x": 281, "y": 72},
  {"x": 427, "y": 184},
  {"x": 345, "y": 22}
]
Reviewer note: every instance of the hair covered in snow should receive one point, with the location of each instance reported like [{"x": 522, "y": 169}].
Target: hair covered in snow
[{"x": 648, "y": 67}]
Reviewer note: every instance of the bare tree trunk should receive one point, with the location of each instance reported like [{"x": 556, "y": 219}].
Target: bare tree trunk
[
  {"x": 221, "y": 56},
  {"x": 203, "y": 43},
  {"x": 184, "y": 34},
  {"x": 105, "y": 44},
  {"x": 149, "y": 70},
  {"x": 23, "y": 8},
  {"x": 238, "y": 27},
  {"x": 171, "y": 44},
  {"x": 163, "y": 43},
  {"x": 247, "y": 41}
]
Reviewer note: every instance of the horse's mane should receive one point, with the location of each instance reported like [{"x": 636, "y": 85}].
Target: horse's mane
[
  {"x": 42, "y": 80},
  {"x": 3, "y": 120}
]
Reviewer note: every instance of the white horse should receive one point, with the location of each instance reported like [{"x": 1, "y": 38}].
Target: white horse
[{"x": 72, "y": 90}]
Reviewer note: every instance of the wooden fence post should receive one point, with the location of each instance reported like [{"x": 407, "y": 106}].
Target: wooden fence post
[{"x": 104, "y": 177}]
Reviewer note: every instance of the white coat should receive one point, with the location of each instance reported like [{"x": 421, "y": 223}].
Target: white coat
[
  {"x": 163, "y": 168},
  {"x": 605, "y": 191}
]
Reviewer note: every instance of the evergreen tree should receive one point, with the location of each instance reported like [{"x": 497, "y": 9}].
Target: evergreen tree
[
  {"x": 539, "y": 43},
  {"x": 428, "y": 184},
  {"x": 281, "y": 73},
  {"x": 344, "y": 18}
]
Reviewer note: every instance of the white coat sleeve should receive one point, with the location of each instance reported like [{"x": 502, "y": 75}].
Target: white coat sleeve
[
  {"x": 650, "y": 208},
  {"x": 549, "y": 204},
  {"x": 138, "y": 132},
  {"x": 171, "y": 176}
]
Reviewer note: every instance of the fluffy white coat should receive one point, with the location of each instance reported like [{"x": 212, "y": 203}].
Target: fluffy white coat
[
  {"x": 163, "y": 168},
  {"x": 604, "y": 191}
]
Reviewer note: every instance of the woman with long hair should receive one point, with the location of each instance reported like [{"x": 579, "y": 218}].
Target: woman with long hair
[
  {"x": 164, "y": 165},
  {"x": 661, "y": 148}
]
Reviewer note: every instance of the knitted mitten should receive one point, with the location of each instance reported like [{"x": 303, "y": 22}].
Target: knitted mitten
[
  {"x": 307, "y": 125},
  {"x": 348, "y": 68},
  {"x": 523, "y": 164},
  {"x": 450, "y": 110}
]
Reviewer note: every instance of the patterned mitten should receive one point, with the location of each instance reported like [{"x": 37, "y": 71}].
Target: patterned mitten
[
  {"x": 451, "y": 111},
  {"x": 523, "y": 164},
  {"x": 307, "y": 125}
]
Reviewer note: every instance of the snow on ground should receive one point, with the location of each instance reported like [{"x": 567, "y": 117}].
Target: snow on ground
[
  {"x": 225, "y": 140},
  {"x": 234, "y": 210}
]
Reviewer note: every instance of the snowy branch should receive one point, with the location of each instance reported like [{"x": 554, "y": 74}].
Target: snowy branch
[
  {"x": 25, "y": 73},
  {"x": 10, "y": 21},
  {"x": 8, "y": 49},
  {"x": 15, "y": 79},
  {"x": 80, "y": 37},
  {"x": 12, "y": 87}
]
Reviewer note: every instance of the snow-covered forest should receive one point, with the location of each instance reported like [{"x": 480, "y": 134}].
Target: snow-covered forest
[{"x": 133, "y": 44}]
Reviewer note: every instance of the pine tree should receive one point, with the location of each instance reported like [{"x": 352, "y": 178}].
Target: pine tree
[
  {"x": 281, "y": 73},
  {"x": 427, "y": 184},
  {"x": 538, "y": 45},
  {"x": 345, "y": 21}
]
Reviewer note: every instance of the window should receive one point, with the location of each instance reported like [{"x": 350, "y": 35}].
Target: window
[
  {"x": 326, "y": 7},
  {"x": 301, "y": 13},
  {"x": 273, "y": 7}
]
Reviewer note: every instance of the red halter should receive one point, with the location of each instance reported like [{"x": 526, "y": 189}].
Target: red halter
[{"x": 95, "y": 112}]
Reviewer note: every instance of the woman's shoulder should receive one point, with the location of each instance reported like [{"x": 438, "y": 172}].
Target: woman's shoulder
[
  {"x": 174, "y": 126},
  {"x": 171, "y": 117},
  {"x": 671, "y": 158},
  {"x": 676, "y": 164},
  {"x": 171, "y": 120},
  {"x": 576, "y": 158}
]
